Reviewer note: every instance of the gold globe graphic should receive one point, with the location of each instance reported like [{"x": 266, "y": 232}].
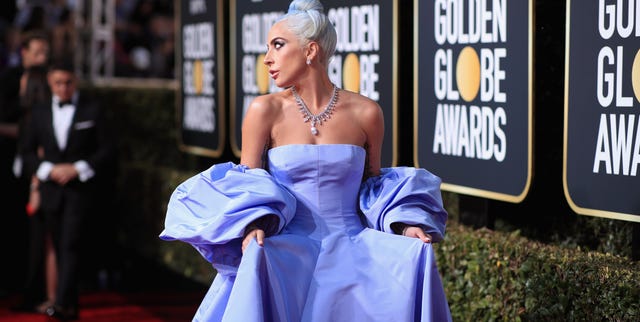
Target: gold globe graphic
[
  {"x": 635, "y": 76},
  {"x": 197, "y": 76},
  {"x": 468, "y": 74},
  {"x": 262, "y": 75},
  {"x": 351, "y": 73}
]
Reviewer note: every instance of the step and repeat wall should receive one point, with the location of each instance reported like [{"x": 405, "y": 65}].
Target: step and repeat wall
[
  {"x": 200, "y": 55},
  {"x": 473, "y": 90},
  {"x": 473, "y": 114},
  {"x": 602, "y": 108}
]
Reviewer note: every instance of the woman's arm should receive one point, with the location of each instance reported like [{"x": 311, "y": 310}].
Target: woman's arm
[
  {"x": 256, "y": 135},
  {"x": 372, "y": 122},
  {"x": 256, "y": 131},
  {"x": 373, "y": 125}
]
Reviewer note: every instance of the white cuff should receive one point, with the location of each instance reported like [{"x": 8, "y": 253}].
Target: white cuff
[
  {"x": 17, "y": 166},
  {"x": 85, "y": 172},
  {"x": 44, "y": 170}
]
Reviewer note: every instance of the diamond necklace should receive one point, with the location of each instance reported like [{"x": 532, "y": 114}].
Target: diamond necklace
[{"x": 316, "y": 119}]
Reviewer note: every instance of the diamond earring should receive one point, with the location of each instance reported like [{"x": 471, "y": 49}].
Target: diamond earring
[{"x": 308, "y": 61}]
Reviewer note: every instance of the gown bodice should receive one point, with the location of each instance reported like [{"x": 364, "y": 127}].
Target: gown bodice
[{"x": 325, "y": 181}]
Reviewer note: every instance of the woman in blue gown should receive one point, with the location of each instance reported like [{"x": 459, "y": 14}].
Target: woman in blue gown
[{"x": 308, "y": 227}]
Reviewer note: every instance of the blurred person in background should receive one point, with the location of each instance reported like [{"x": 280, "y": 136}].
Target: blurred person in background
[
  {"x": 63, "y": 36},
  {"x": 77, "y": 151},
  {"x": 37, "y": 19},
  {"x": 14, "y": 243},
  {"x": 7, "y": 13},
  {"x": 144, "y": 39},
  {"x": 41, "y": 279}
]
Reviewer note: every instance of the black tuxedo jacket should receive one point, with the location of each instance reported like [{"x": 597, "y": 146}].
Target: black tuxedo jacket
[{"x": 89, "y": 139}]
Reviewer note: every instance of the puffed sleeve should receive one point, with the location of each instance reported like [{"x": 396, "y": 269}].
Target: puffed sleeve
[
  {"x": 211, "y": 210},
  {"x": 404, "y": 194}
]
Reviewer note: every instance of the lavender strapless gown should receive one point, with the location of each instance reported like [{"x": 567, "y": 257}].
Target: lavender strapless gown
[{"x": 333, "y": 257}]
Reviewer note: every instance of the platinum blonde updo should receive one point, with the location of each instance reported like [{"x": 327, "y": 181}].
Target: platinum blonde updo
[{"x": 307, "y": 20}]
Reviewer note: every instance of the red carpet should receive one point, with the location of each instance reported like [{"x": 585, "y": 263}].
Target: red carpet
[
  {"x": 110, "y": 306},
  {"x": 119, "y": 288}
]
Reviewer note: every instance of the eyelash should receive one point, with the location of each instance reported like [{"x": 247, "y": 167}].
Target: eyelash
[{"x": 277, "y": 45}]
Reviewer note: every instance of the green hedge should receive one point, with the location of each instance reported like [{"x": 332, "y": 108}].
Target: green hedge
[
  {"x": 150, "y": 166},
  {"x": 145, "y": 126},
  {"x": 495, "y": 276}
]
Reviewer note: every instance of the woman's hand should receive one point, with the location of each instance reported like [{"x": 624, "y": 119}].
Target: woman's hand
[
  {"x": 416, "y": 232},
  {"x": 259, "y": 229},
  {"x": 33, "y": 203},
  {"x": 253, "y": 232}
]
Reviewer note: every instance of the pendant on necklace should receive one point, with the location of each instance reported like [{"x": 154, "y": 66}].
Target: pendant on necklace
[{"x": 316, "y": 119}]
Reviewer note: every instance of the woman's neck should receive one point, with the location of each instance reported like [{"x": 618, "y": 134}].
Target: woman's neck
[{"x": 316, "y": 93}]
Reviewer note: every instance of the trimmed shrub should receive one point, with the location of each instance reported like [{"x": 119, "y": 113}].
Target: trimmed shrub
[{"x": 494, "y": 276}]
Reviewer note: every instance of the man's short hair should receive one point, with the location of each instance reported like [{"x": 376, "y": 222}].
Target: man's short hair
[
  {"x": 64, "y": 65},
  {"x": 31, "y": 36}
]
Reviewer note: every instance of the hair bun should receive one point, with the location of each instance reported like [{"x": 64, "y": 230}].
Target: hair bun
[
  {"x": 305, "y": 5},
  {"x": 307, "y": 20}
]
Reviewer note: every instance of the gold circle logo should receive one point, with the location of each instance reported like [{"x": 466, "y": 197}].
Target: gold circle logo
[
  {"x": 197, "y": 76},
  {"x": 635, "y": 75},
  {"x": 262, "y": 75},
  {"x": 468, "y": 74},
  {"x": 351, "y": 73}
]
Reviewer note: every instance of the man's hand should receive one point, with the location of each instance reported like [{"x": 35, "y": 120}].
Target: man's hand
[{"x": 62, "y": 173}]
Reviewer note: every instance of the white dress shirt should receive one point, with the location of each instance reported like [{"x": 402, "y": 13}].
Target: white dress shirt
[
  {"x": 62, "y": 121},
  {"x": 62, "y": 118}
]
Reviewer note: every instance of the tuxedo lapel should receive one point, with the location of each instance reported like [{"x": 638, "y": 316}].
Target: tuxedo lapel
[
  {"x": 48, "y": 123},
  {"x": 71, "y": 135}
]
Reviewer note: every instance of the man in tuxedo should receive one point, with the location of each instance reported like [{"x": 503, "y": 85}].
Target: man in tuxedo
[{"x": 78, "y": 151}]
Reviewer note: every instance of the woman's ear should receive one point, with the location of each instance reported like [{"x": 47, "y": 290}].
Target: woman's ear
[{"x": 313, "y": 51}]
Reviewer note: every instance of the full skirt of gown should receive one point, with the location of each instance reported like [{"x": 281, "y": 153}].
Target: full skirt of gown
[{"x": 330, "y": 255}]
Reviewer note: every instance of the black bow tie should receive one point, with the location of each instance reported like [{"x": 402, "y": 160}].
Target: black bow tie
[{"x": 63, "y": 103}]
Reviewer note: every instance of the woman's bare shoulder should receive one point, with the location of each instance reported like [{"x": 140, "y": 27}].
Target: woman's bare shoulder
[
  {"x": 358, "y": 101},
  {"x": 265, "y": 108},
  {"x": 267, "y": 103},
  {"x": 360, "y": 104}
]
